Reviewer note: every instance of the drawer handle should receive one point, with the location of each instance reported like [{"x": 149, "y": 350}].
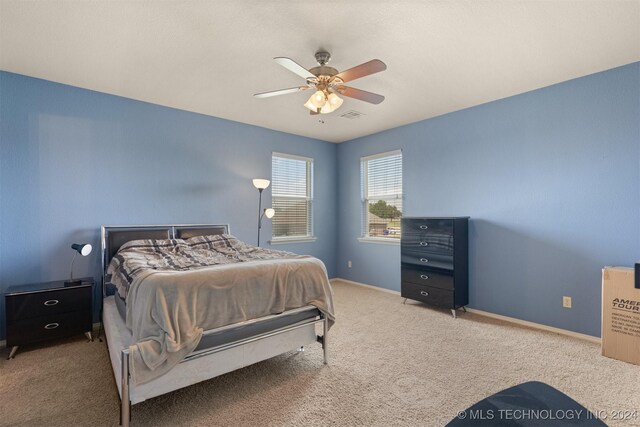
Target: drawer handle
[
  {"x": 424, "y": 293},
  {"x": 424, "y": 227},
  {"x": 424, "y": 244},
  {"x": 51, "y": 302},
  {"x": 424, "y": 260},
  {"x": 424, "y": 277},
  {"x": 51, "y": 325}
]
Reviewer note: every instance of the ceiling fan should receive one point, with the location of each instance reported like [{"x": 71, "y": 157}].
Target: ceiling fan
[{"x": 328, "y": 83}]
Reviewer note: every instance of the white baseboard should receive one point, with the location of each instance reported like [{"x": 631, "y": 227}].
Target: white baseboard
[
  {"x": 375, "y": 288},
  {"x": 493, "y": 315},
  {"x": 536, "y": 325}
]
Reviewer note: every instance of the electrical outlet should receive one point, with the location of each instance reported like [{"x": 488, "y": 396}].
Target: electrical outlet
[
  {"x": 566, "y": 302},
  {"x": 349, "y": 264}
]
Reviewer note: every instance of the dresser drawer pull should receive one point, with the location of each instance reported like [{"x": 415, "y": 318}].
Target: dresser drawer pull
[
  {"x": 51, "y": 302},
  {"x": 424, "y": 260},
  {"x": 424, "y": 227},
  {"x": 51, "y": 325},
  {"x": 424, "y": 293},
  {"x": 424, "y": 277},
  {"x": 424, "y": 244}
]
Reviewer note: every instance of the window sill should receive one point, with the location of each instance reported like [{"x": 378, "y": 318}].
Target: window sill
[
  {"x": 380, "y": 240},
  {"x": 287, "y": 240}
]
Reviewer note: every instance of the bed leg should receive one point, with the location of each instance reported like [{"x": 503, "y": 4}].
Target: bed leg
[
  {"x": 125, "y": 401},
  {"x": 325, "y": 340}
]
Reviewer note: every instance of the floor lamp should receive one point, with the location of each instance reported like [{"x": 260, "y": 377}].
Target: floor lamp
[{"x": 261, "y": 184}]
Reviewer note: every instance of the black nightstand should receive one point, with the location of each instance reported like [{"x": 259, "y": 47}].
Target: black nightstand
[{"x": 43, "y": 311}]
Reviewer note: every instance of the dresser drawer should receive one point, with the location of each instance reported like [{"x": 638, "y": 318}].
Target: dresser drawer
[
  {"x": 434, "y": 243},
  {"x": 43, "y": 328},
  {"x": 423, "y": 226},
  {"x": 428, "y": 294},
  {"x": 430, "y": 260},
  {"x": 38, "y": 304},
  {"x": 427, "y": 278}
]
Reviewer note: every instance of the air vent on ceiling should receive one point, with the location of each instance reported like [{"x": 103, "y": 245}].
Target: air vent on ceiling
[{"x": 352, "y": 114}]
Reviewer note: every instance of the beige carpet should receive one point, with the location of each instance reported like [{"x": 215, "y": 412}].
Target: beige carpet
[{"x": 392, "y": 364}]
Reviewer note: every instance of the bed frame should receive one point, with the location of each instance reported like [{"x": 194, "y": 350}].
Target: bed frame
[{"x": 203, "y": 363}]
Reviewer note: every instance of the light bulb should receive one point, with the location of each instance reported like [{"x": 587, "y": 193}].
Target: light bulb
[
  {"x": 269, "y": 212},
  {"x": 318, "y": 99}
]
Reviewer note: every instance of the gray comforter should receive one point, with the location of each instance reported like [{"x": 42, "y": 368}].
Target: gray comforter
[{"x": 178, "y": 292}]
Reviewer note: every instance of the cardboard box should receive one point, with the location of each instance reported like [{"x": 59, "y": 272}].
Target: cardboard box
[{"x": 620, "y": 315}]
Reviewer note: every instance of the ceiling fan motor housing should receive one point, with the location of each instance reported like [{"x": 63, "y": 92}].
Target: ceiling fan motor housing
[{"x": 323, "y": 70}]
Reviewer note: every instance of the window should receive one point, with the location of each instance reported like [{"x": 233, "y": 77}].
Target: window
[
  {"x": 381, "y": 177},
  {"x": 292, "y": 197}
]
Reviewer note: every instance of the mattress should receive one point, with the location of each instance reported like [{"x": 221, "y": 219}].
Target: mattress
[{"x": 226, "y": 337}]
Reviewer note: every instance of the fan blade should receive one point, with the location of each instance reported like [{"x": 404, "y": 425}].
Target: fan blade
[
  {"x": 362, "y": 70},
  {"x": 294, "y": 67},
  {"x": 313, "y": 113},
  {"x": 280, "y": 92},
  {"x": 362, "y": 95}
]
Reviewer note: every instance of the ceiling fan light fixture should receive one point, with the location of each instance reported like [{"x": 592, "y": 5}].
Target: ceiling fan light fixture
[
  {"x": 318, "y": 99},
  {"x": 326, "y": 109},
  {"x": 310, "y": 106},
  {"x": 335, "y": 101}
]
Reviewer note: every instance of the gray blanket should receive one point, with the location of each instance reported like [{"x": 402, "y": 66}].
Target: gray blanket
[
  {"x": 167, "y": 311},
  {"x": 138, "y": 257}
]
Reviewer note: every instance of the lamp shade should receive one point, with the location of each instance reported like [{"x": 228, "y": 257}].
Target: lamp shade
[
  {"x": 260, "y": 183},
  {"x": 318, "y": 99},
  {"x": 335, "y": 101},
  {"x": 269, "y": 212},
  {"x": 310, "y": 106},
  {"x": 83, "y": 249}
]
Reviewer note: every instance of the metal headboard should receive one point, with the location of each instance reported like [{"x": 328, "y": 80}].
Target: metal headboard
[{"x": 114, "y": 236}]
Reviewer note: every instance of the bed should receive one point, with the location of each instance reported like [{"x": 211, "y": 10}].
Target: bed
[{"x": 219, "y": 350}]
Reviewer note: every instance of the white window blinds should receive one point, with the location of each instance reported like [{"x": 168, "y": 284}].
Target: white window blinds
[
  {"x": 381, "y": 178},
  {"x": 291, "y": 196}
]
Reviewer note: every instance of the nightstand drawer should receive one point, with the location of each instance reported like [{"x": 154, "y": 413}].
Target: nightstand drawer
[
  {"x": 38, "y": 304},
  {"x": 428, "y": 294},
  {"x": 427, "y": 278},
  {"x": 43, "y": 328}
]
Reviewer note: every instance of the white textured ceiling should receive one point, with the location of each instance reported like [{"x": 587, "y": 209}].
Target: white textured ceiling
[{"x": 211, "y": 56}]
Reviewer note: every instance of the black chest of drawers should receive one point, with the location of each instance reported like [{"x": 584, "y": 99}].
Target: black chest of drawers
[
  {"x": 435, "y": 261},
  {"x": 43, "y": 311}
]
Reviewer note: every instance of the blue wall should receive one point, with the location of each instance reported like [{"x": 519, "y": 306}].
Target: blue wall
[
  {"x": 550, "y": 178},
  {"x": 72, "y": 160}
]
